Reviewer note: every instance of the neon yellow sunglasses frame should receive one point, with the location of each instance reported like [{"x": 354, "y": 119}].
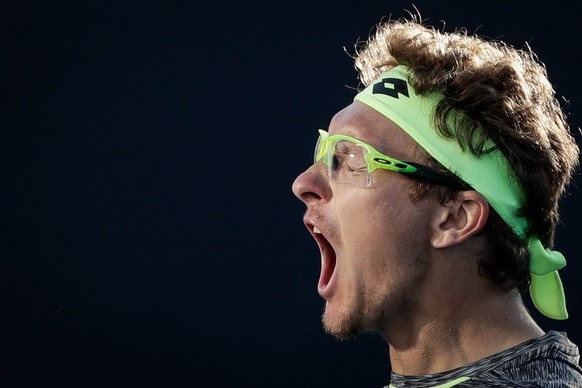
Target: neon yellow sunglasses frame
[{"x": 375, "y": 159}]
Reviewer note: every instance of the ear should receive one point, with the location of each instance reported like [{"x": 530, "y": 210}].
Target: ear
[{"x": 459, "y": 219}]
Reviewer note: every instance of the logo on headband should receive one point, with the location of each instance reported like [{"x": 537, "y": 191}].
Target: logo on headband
[{"x": 392, "y": 87}]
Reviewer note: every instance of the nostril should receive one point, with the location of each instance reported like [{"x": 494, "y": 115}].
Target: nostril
[{"x": 308, "y": 197}]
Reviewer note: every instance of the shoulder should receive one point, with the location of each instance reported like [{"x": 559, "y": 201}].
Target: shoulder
[{"x": 549, "y": 361}]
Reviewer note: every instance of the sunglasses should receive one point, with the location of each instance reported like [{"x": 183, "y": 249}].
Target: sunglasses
[{"x": 352, "y": 161}]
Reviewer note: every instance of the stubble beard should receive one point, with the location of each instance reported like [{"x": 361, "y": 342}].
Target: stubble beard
[
  {"x": 344, "y": 326},
  {"x": 369, "y": 317},
  {"x": 348, "y": 323}
]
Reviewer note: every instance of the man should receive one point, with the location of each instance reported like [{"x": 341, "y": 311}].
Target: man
[{"x": 434, "y": 200}]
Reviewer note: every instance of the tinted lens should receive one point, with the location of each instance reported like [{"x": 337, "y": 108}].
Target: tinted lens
[{"x": 348, "y": 163}]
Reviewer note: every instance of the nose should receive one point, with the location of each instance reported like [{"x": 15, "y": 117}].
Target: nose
[{"x": 312, "y": 185}]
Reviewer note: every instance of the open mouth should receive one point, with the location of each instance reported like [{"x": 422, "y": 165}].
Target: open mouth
[{"x": 328, "y": 263}]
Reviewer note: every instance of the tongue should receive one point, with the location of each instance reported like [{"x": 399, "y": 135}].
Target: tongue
[{"x": 328, "y": 261}]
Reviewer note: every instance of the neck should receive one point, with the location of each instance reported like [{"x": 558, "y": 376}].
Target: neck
[{"x": 459, "y": 329}]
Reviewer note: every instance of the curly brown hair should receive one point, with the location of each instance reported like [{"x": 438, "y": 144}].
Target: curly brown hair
[{"x": 504, "y": 95}]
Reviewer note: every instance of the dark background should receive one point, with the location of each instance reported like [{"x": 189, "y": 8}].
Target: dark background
[{"x": 149, "y": 234}]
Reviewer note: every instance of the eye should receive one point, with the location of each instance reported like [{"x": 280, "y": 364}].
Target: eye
[
  {"x": 350, "y": 156},
  {"x": 334, "y": 162}
]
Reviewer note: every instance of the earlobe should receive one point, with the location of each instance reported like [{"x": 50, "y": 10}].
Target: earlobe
[{"x": 459, "y": 219}]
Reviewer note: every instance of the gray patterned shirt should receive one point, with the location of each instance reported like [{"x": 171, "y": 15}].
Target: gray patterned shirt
[{"x": 548, "y": 361}]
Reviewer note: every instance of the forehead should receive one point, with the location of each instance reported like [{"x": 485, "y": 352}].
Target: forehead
[{"x": 362, "y": 122}]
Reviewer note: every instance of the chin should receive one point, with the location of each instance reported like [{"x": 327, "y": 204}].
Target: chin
[{"x": 341, "y": 324}]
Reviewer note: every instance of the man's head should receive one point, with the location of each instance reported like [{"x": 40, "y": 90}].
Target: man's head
[
  {"x": 503, "y": 95},
  {"x": 374, "y": 238},
  {"x": 382, "y": 242}
]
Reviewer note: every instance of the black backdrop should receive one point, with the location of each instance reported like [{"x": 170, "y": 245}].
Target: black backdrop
[{"x": 149, "y": 234}]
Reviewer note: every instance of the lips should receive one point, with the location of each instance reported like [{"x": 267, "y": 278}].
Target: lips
[{"x": 328, "y": 263}]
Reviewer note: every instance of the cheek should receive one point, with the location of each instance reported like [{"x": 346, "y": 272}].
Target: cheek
[
  {"x": 368, "y": 226},
  {"x": 356, "y": 217},
  {"x": 382, "y": 226},
  {"x": 372, "y": 218}
]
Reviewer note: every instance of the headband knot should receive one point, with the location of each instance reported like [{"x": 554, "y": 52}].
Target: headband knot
[{"x": 546, "y": 290}]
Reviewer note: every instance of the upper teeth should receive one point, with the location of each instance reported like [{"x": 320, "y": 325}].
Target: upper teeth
[{"x": 316, "y": 230}]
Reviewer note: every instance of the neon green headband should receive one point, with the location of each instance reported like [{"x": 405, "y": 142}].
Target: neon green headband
[{"x": 489, "y": 174}]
